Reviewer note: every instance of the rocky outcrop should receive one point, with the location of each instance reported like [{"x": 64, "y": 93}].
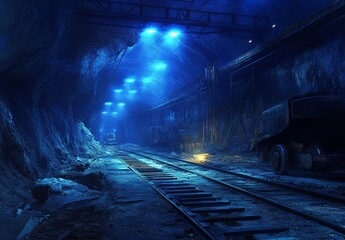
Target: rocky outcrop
[
  {"x": 56, "y": 193},
  {"x": 13, "y": 150},
  {"x": 53, "y": 72},
  {"x": 52, "y": 75},
  {"x": 43, "y": 142}
]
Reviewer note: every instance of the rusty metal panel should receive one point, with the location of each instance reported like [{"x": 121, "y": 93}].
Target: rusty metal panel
[{"x": 242, "y": 106}]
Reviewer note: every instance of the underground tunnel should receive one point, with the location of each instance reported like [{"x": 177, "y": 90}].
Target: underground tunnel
[{"x": 172, "y": 119}]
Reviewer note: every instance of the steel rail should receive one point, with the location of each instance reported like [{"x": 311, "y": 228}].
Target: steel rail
[
  {"x": 335, "y": 227},
  {"x": 194, "y": 224},
  {"x": 282, "y": 185}
]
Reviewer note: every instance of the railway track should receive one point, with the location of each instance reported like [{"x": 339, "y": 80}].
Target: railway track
[
  {"x": 206, "y": 213},
  {"x": 212, "y": 216},
  {"x": 338, "y": 199}
]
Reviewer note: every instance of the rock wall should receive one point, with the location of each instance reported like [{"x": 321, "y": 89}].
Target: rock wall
[
  {"x": 37, "y": 142},
  {"x": 50, "y": 69}
]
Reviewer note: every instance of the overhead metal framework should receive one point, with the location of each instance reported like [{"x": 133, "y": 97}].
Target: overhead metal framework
[{"x": 134, "y": 15}]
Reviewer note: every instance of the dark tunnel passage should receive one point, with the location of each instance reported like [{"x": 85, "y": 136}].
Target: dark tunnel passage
[{"x": 172, "y": 119}]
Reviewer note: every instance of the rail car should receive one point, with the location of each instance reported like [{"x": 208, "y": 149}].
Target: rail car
[{"x": 307, "y": 131}]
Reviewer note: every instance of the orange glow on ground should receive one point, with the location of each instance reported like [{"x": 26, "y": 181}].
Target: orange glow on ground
[{"x": 200, "y": 158}]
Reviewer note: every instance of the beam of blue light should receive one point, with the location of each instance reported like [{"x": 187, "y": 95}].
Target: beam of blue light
[
  {"x": 174, "y": 33},
  {"x": 159, "y": 66},
  {"x": 108, "y": 103},
  {"x": 121, "y": 104},
  {"x": 172, "y": 39},
  {"x": 150, "y": 31},
  {"x": 147, "y": 80},
  {"x": 118, "y": 90},
  {"x": 130, "y": 80}
]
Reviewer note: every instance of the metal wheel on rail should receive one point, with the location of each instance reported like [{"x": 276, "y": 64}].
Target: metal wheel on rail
[
  {"x": 311, "y": 150},
  {"x": 280, "y": 159}
]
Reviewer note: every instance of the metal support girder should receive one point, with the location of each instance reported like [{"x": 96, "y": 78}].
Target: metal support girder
[{"x": 206, "y": 21}]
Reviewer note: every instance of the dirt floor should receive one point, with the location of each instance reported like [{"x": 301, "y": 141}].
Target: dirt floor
[{"x": 98, "y": 199}]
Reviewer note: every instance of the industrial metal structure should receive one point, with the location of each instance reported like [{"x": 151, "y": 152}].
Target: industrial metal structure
[{"x": 135, "y": 15}]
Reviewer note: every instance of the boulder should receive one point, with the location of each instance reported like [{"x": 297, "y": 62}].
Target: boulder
[{"x": 55, "y": 193}]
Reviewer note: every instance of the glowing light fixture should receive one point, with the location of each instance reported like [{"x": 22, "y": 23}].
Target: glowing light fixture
[
  {"x": 174, "y": 33},
  {"x": 133, "y": 91},
  {"x": 104, "y": 112},
  {"x": 159, "y": 66},
  {"x": 121, "y": 104},
  {"x": 118, "y": 90},
  {"x": 273, "y": 26},
  {"x": 250, "y": 41},
  {"x": 114, "y": 113},
  {"x": 130, "y": 80},
  {"x": 108, "y": 103},
  {"x": 150, "y": 31}
]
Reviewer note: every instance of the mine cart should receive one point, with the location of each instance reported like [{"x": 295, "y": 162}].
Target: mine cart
[{"x": 307, "y": 131}]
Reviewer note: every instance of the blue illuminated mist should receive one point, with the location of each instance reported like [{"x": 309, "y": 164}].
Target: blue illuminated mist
[{"x": 158, "y": 64}]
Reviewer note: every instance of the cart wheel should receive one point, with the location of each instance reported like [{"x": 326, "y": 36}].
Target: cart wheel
[
  {"x": 315, "y": 149},
  {"x": 280, "y": 159}
]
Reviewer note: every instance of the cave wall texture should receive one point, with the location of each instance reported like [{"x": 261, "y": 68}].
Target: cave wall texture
[{"x": 50, "y": 68}]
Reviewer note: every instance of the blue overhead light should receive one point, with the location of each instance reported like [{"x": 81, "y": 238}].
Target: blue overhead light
[
  {"x": 108, "y": 103},
  {"x": 130, "y": 80},
  {"x": 104, "y": 112},
  {"x": 172, "y": 39},
  {"x": 118, "y": 90},
  {"x": 149, "y": 35},
  {"x": 133, "y": 91},
  {"x": 159, "y": 66},
  {"x": 114, "y": 113},
  {"x": 150, "y": 31},
  {"x": 174, "y": 33},
  {"x": 121, "y": 104}
]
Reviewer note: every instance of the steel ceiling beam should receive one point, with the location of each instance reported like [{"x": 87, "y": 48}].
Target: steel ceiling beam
[{"x": 205, "y": 21}]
